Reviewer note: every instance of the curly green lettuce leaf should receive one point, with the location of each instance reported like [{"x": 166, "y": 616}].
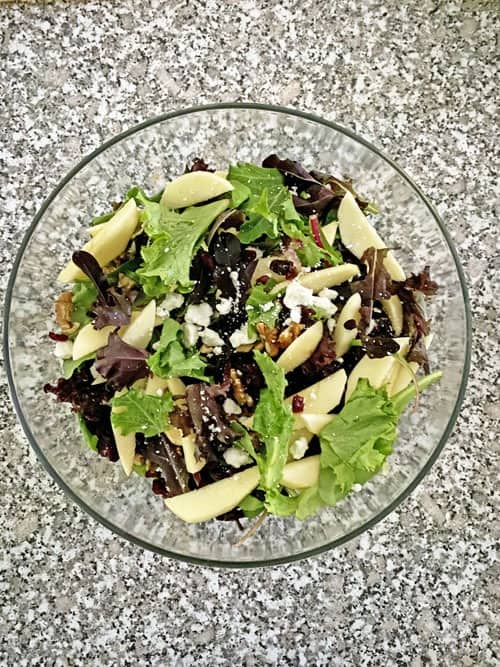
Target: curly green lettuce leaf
[
  {"x": 273, "y": 421},
  {"x": 172, "y": 358},
  {"x": 89, "y": 438},
  {"x": 137, "y": 412},
  {"x": 251, "y": 506},
  {"x": 84, "y": 295},
  {"x": 173, "y": 242},
  {"x": 266, "y": 200},
  {"x": 262, "y": 306},
  {"x": 69, "y": 366}
]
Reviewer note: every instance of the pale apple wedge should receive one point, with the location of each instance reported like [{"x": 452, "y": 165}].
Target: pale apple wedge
[
  {"x": 156, "y": 385},
  {"x": 378, "y": 372},
  {"x": 402, "y": 379},
  {"x": 301, "y": 348},
  {"x": 96, "y": 229},
  {"x": 176, "y": 387},
  {"x": 194, "y": 188},
  {"x": 90, "y": 340},
  {"x": 107, "y": 244},
  {"x": 357, "y": 234},
  {"x": 125, "y": 444},
  {"x": 394, "y": 311},
  {"x": 343, "y": 337},
  {"x": 313, "y": 422},
  {"x": 335, "y": 275},
  {"x": 214, "y": 499},
  {"x": 330, "y": 231},
  {"x": 189, "y": 447},
  {"x": 140, "y": 330},
  {"x": 301, "y": 474},
  {"x": 324, "y": 395}
]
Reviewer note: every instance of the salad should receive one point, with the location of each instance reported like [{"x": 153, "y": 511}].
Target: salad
[{"x": 244, "y": 339}]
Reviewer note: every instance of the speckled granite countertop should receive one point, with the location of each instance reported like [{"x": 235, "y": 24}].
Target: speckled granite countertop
[{"x": 417, "y": 79}]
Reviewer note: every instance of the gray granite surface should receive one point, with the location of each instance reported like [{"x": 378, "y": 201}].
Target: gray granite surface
[{"x": 418, "y": 79}]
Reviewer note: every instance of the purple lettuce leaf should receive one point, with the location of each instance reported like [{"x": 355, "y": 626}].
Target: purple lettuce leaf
[{"x": 120, "y": 363}]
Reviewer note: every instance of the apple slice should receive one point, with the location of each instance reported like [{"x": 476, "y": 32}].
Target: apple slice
[
  {"x": 194, "y": 188},
  {"x": 313, "y": 422},
  {"x": 330, "y": 231},
  {"x": 335, "y": 275},
  {"x": 377, "y": 371},
  {"x": 96, "y": 229},
  {"x": 342, "y": 336},
  {"x": 189, "y": 447},
  {"x": 394, "y": 310},
  {"x": 357, "y": 235},
  {"x": 89, "y": 340},
  {"x": 214, "y": 499},
  {"x": 324, "y": 395},
  {"x": 301, "y": 474},
  {"x": 108, "y": 244},
  {"x": 301, "y": 348},
  {"x": 140, "y": 330}
]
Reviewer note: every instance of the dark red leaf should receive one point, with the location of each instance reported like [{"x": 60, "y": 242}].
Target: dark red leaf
[
  {"x": 421, "y": 282},
  {"x": 375, "y": 286},
  {"x": 120, "y": 363},
  {"x": 175, "y": 478},
  {"x": 322, "y": 359}
]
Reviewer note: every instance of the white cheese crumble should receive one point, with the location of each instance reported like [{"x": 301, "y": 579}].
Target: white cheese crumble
[
  {"x": 299, "y": 447},
  {"x": 236, "y": 457},
  {"x": 230, "y": 407},
  {"x": 297, "y": 295},
  {"x": 330, "y": 324},
  {"x": 211, "y": 338},
  {"x": 325, "y": 304},
  {"x": 295, "y": 314},
  {"x": 199, "y": 314},
  {"x": 159, "y": 392},
  {"x": 63, "y": 349},
  {"x": 241, "y": 337},
  {"x": 266, "y": 306},
  {"x": 191, "y": 333},
  {"x": 169, "y": 303},
  {"x": 224, "y": 306},
  {"x": 328, "y": 293}
]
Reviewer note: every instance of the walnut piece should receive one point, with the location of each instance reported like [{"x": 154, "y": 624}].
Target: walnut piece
[
  {"x": 269, "y": 337},
  {"x": 288, "y": 335},
  {"x": 63, "y": 309},
  {"x": 241, "y": 396}
]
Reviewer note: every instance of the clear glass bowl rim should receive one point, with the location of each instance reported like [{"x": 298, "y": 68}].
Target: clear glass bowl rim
[{"x": 124, "y": 534}]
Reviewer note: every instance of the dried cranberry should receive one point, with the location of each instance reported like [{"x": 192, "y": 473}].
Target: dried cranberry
[
  {"x": 197, "y": 479},
  {"x": 292, "y": 273},
  {"x": 281, "y": 266},
  {"x": 350, "y": 325},
  {"x": 307, "y": 316},
  {"x": 58, "y": 337},
  {"x": 152, "y": 473},
  {"x": 159, "y": 487},
  {"x": 207, "y": 260},
  {"x": 109, "y": 451},
  {"x": 298, "y": 403},
  {"x": 262, "y": 280}
]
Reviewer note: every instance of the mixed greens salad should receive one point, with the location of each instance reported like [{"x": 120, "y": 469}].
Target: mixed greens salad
[{"x": 244, "y": 338}]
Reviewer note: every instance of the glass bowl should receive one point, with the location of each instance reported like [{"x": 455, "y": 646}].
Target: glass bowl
[{"x": 147, "y": 155}]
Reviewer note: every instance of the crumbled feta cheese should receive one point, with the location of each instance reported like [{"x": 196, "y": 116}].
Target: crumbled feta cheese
[
  {"x": 191, "y": 333},
  {"x": 241, "y": 337},
  {"x": 330, "y": 323},
  {"x": 328, "y": 293},
  {"x": 199, "y": 314},
  {"x": 159, "y": 392},
  {"x": 63, "y": 349},
  {"x": 357, "y": 488},
  {"x": 217, "y": 350},
  {"x": 297, "y": 295},
  {"x": 235, "y": 280},
  {"x": 299, "y": 447},
  {"x": 236, "y": 458},
  {"x": 266, "y": 306},
  {"x": 211, "y": 338},
  {"x": 231, "y": 407},
  {"x": 295, "y": 314},
  {"x": 169, "y": 303},
  {"x": 224, "y": 306},
  {"x": 325, "y": 304}
]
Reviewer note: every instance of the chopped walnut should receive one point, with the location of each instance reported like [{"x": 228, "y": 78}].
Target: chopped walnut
[
  {"x": 63, "y": 310},
  {"x": 288, "y": 335},
  {"x": 125, "y": 282},
  {"x": 241, "y": 396},
  {"x": 269, "y": 337}
]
